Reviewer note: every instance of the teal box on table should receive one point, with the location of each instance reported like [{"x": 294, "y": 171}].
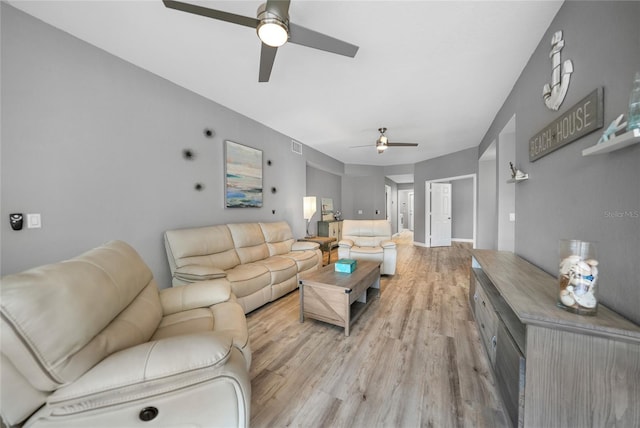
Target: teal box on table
[{"x": 346, "y": 265}]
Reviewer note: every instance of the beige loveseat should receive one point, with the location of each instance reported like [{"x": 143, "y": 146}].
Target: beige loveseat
[
  {"x": 369, "y": 240},
  {"x": 91, "y": 342},
  {"x": 260, "y": 261}
]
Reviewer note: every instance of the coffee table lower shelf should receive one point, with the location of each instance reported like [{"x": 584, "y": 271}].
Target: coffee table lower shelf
[{"x": 338, "y": 298}]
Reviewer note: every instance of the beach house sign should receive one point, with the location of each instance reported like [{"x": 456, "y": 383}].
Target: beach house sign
[{"x": 581, "y": 119}]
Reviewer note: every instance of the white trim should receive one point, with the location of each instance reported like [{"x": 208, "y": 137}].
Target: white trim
[
  {"x": 427, "y": 224},
  {"x": 462, "y": 240}
]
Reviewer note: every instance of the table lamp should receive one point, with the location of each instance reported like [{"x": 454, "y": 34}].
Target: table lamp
[{"x": 309, "y": 209}]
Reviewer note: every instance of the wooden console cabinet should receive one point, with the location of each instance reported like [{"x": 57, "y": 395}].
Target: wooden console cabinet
[
  {"x": 553, "y": 368},
  {"x": 331, "y": 229}
]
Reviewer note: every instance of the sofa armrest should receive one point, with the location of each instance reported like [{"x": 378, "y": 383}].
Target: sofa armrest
[
  {"x": 304, "y": 245},
  {"x": 146, "y": 370},
  {"x": 195, "y": 295},
  {"x": 191, "y": 273},
  {"x": 388, "y": 244},
  {"x": 346, "y": 243}
]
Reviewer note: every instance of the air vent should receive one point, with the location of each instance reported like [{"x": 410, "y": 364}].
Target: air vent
[{"x": 296, "y": 147}]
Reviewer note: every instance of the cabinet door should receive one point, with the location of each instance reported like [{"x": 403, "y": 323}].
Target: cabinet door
[
  {"x": 510, "y": 375},
  {"x": 487, "y": 320}
]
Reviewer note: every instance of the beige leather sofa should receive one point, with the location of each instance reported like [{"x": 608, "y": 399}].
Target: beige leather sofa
[
  {"x": 260, "y": 261},
  {"x": 369, "y": 240},
  {"x": 91, "y": 342}
]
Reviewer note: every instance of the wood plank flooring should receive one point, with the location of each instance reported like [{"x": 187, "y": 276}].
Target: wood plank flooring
[{"x": 413, "y": 358}]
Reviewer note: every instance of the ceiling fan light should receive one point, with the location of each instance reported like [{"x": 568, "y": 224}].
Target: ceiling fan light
[
  {"x": 273, "y": 32},
  {"x": 383, "y": 140}
]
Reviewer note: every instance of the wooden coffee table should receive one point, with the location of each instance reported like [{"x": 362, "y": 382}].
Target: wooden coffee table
[{"x": 339, "y": 298}]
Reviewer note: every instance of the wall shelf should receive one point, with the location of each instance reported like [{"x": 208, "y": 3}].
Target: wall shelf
[
  {"x": 616, "y": 143},
  {"x": 519, "y": 179}
]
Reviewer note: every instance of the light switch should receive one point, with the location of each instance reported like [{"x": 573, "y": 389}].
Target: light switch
[
  {"x": 359, "y": 212},
  {"x": 33, "y": 221},
  {"x": 512, "y": 216}
]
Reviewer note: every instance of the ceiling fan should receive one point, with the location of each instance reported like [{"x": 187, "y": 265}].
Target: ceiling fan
[
  {"x": 383, "y": 143},
  {"x": 274, "y": 30}
]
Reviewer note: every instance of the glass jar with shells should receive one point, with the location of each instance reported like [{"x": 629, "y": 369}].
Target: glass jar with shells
[{"x": 578, "y": 275}]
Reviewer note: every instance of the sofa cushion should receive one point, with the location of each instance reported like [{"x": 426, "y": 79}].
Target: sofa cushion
[
  {"x": 278, "y": 237},
  {"x": 144, "y": 370},
  {"x": 210, "y": 245},
  {"x": 248, "y": 278},
  {"x": 304, "y": 259},
  {"x": 249, "y": 242},
  {"x": 192, "y": 273},
  {"x": 91, "y": 296},
  {"x": 281, "y": 268}
]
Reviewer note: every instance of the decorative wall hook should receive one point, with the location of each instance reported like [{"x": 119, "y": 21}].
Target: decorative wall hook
[
  {"x": 188, "y": 154},
  {"x": 199, "y": 187},
  {"x": 208, "y": 133}
]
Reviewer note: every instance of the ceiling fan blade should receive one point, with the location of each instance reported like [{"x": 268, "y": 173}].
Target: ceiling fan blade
[
  {"x": 267, "y": 56},
  {"x": 358, "y": 147},
  {"x": 312, "y": 39},
  {"x": 212, "y": 13},
  {"x": 402, "y": 144}
]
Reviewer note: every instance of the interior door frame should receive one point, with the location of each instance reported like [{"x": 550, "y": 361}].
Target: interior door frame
[{"x": 427, "y": 205}]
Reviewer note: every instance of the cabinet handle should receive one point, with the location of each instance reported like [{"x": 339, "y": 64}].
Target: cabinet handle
[
  {"x": 483, "y": 303},
  {"x": 494, "y": 342},
  {"x": 482, "y": 325}
]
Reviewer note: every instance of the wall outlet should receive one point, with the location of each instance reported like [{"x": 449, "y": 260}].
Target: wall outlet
[
  {"x": 512, "y": 216},
  {"x": 33, "y": 221},
  {"x": 359, "y": 212}
]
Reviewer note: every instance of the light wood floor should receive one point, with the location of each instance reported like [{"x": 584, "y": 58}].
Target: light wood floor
[{"x": 413, "y": 358}]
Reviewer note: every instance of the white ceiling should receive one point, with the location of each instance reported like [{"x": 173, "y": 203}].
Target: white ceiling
[{"x": 434, "y": 73}]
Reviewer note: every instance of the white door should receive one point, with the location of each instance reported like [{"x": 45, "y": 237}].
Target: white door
[
  {"x": 440, "y": 214},
  {"x": 411, "y": 211}
]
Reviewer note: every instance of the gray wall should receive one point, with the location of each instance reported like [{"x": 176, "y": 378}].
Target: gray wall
[
  {"x": 456, "y": 164},
  {"x": 487, "y": 232},
  {"x": 363, "y": 190},
  {"x": 393, "y": 196},
  {"x": 94, "y": 144},
  {"x": 594, "y": 198},
  {"x": 462, "y": 209},
  {"x": 323, "y": 184}
]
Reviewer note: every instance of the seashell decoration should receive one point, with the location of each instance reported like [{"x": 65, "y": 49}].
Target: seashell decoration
[{"x": 578, "y": 275}]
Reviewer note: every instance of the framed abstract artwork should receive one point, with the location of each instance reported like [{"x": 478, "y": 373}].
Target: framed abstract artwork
[{"x": 243, "y": 176}]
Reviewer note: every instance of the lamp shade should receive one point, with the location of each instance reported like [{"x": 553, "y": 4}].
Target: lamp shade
[{"x": 309, "y": 207}]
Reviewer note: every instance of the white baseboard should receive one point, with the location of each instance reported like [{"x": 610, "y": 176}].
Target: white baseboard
[{"x": 462, "y": 240}]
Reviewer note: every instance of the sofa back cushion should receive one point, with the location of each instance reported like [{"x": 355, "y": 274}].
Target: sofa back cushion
[
  {"x": 366, "y": 233},
  {"x": 209, "y": 246},
  {"x": 278, "y": 237},
  {"x": 249, "y": 242},
  {"x": 60, "y": 320}
]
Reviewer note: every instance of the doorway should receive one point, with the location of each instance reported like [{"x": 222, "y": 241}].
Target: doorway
[
  {"x": 410, "y": 212},
  {"x": 428, "y": 210},
  {"x": 487, "y": 199}
]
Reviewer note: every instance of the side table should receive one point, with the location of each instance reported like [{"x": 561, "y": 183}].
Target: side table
[{"x": 323, "y": 241}]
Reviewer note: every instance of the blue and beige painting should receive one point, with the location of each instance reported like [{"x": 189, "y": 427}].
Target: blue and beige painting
[{"x": 244, "y": 176}]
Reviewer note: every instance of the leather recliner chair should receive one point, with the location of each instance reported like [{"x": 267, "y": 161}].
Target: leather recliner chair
[
  {"x": 369, "y": 240},
  {"x": 91, "y": 341}
]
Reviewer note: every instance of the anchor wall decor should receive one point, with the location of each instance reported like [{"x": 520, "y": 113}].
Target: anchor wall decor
[{"x": 554, "y": 95}]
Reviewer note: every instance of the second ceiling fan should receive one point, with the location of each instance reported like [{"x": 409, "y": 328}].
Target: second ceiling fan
[
  {"x": 274, "y": 30},
  {"x": 383, "y": 143}
]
